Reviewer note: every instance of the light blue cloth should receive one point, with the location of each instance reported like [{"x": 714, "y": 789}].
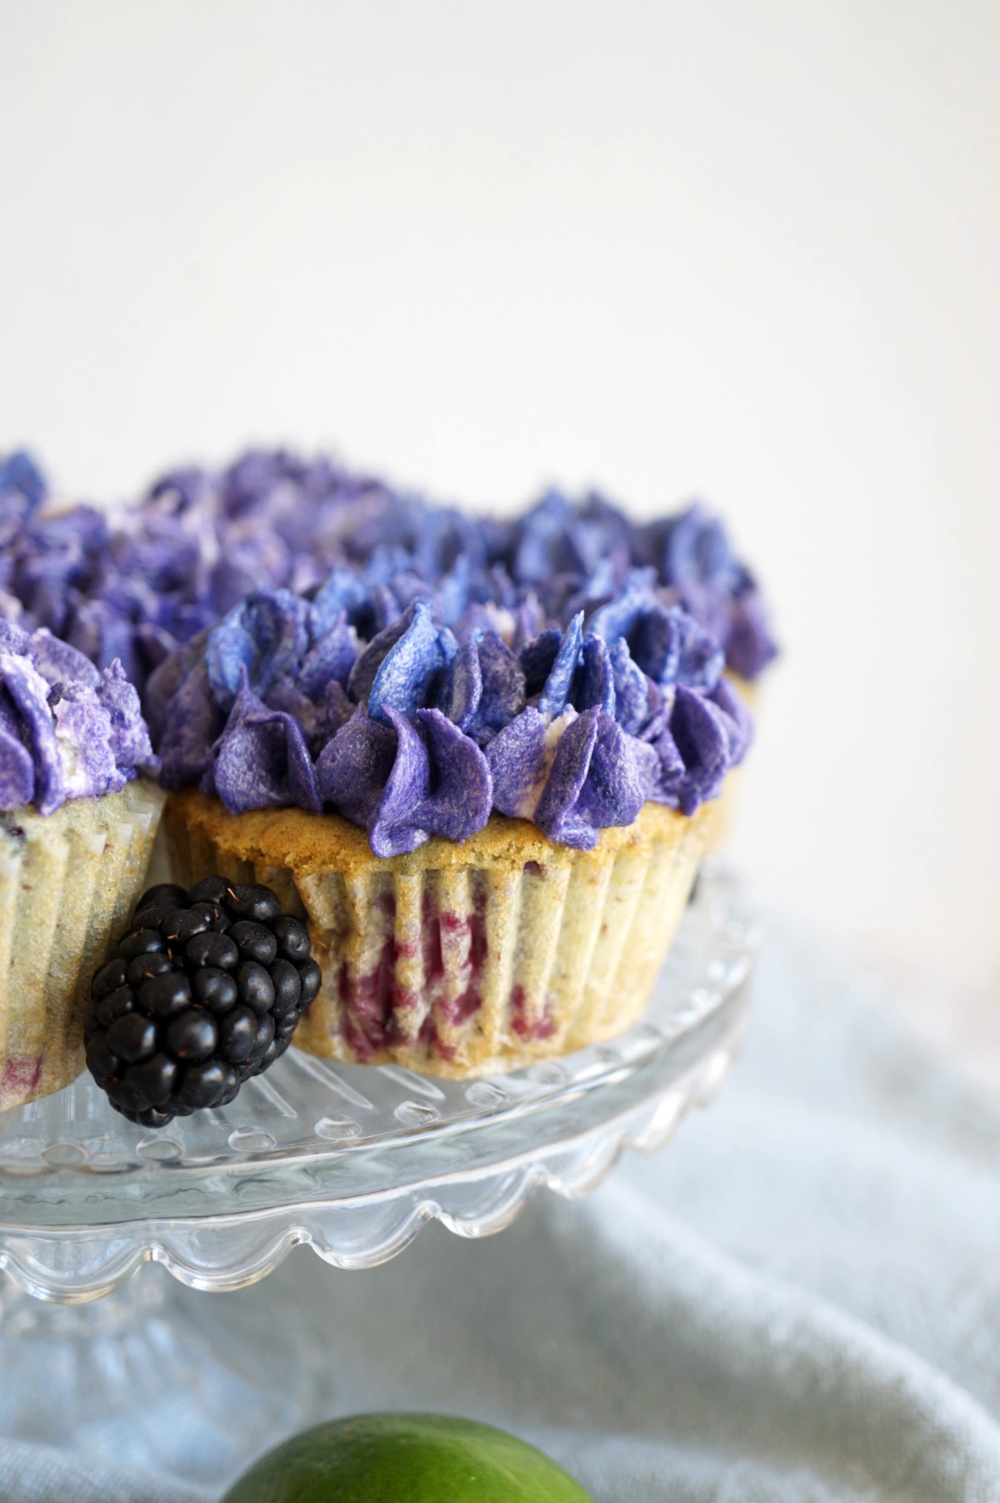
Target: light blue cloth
[{"x": 798, "y": 1300}]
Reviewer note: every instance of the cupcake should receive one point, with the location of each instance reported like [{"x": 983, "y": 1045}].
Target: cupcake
[
  {"x": 76, "y": 829},
  {"x": 279, "y": 519},
  {"x": 487, "y": 798}
]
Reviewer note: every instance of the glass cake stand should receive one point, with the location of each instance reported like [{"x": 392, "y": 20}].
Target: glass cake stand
[{"x": 350, "y": 1160}]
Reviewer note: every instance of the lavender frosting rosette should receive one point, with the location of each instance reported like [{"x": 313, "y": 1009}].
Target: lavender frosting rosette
[{"x": 67, "y": 729}]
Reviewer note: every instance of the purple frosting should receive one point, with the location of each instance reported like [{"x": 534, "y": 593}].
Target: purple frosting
[
  {"x": 304, "y": 635},
  {"x": 67, "y": 729},
  {"x": 201, "y": 541},
  {"x": 424, "y": 726},
  {"x": 22, "y": 491}
]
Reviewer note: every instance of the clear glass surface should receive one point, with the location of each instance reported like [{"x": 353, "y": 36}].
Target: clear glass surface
[
  {"x": 159, "y": 1377},
  {"x": 355, "y": 1160}
]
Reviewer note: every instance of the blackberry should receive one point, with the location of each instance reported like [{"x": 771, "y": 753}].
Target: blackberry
[{"x": 204, "y": 990}]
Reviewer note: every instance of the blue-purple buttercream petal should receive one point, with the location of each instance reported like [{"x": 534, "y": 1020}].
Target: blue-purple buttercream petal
[
  {"x": 20, "y": 476},
  {"x": 516, "y": 759},
  {"x": 59, "y": 662},
  {"x": 460, "y": 797},
  {"x": 408, "y": 783},
  {"x": 345, "y": 594},
  {"x": 128, "y": 733},
  {"x": 332, "y": 656},
  {"x": 595, "y": 681},
  {"x": 29, "y": 692},
  {"x": 746, "y": 633},
  {"x": 594, "y": 782},
  {"x": 700, "y": 734},
  {"x": 504, "y": 692},
  {"x": 335, "y": 711},
  {"x": 409, "y": 673},
  {"x": 262, "y": 760},
  {"x": 17, "y": 769},
  {"x": 353, "y": 768},
  {"x": 372, "y": 656},
  {"x": 537, "y": 656},
  {"x": 555, "y": 694},
  {"x": 462, "y": 685},
  {"x": 191, "y": 723},
  {"x": 265, "y": 635},
  {"x": 700, "y": 658},
  {"x": 15, "y": 639},
  {"x": 631, "y": 694}
]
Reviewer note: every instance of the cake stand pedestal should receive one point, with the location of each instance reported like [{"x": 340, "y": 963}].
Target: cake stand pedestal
[{"x": 351, "y": 1161}]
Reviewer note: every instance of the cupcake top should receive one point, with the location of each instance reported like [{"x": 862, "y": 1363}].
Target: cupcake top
[
  {"x": 418, "y": 719},
  {"x": 285, "y": 521},
  {"x": 305, "y": 635},
  {"x": 200, "y": 540},
  {"x": 67, "y": 729}
]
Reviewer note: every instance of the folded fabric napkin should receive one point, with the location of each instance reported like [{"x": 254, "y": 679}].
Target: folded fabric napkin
[{"x": 798, "y": 1300}]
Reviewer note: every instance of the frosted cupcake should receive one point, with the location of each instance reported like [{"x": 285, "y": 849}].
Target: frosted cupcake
[
  {"x": 77, "y": 823},
  {"x": 489, "y": 817}
]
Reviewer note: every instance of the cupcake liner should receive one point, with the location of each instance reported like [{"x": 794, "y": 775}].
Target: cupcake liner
[
  {"x": 67, "y": 884},
  {"x": 461, "y": 958}
]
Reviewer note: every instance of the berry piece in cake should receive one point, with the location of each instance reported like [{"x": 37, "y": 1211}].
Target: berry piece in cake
[{"x": 205, "y": 990}]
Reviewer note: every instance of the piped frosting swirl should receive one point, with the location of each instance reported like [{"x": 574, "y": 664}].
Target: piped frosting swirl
[
  {"x": 201, "y": 540},
  {"x": 423, "y": 727},
  {"x": 308, "y": 636}
]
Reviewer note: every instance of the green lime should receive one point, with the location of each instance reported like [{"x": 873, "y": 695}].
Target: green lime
[{"x": 405, "y": 1458}]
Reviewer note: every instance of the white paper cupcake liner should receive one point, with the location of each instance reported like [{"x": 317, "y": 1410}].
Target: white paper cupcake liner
[
  {"x": 67, "y": 885},
  {"x": 461, "y": 959}
]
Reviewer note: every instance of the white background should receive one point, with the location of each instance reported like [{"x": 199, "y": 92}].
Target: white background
[{"x": 745, "y": 252}]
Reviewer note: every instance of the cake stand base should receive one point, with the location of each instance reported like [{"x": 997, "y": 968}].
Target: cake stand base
[{"x": 156, "y": 1375}]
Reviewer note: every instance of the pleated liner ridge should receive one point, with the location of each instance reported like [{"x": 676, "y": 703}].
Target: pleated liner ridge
[
  {"x": 467, "y": 958},
  {"x": 67, "y": 886}
]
